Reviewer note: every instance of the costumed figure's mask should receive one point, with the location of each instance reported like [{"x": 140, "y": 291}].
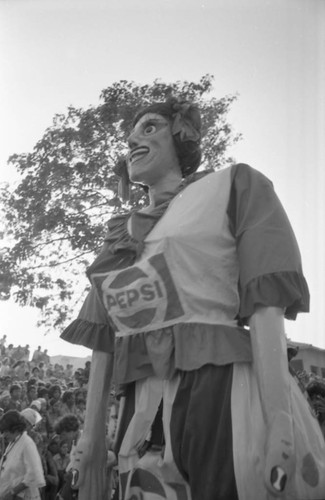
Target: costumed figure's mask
[{"x": 185, "y": 122}]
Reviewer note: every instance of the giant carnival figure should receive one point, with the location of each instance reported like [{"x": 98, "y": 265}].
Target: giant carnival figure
[{"x": 188, "y": 301}]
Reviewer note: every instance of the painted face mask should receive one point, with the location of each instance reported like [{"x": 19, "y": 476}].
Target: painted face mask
[{"x": 152, "y": 154}]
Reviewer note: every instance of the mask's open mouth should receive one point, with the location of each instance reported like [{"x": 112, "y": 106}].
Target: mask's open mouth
[{"x": 137, "y": 154}]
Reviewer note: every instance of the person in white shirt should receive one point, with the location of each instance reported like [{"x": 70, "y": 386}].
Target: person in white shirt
[{"x": 21, "y": 471}]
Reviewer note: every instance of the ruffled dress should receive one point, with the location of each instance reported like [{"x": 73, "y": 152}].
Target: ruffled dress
[
  {"x": 172, "y": 293},
  {"x": 229, "y": 233}
]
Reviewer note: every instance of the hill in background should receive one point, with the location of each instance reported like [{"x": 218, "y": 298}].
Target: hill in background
[{"x": 72, "y": 360}]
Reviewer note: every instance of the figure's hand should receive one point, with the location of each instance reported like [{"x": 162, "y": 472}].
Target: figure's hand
[
  {"x": 90, "y": 468},
  {"x": 280, "y": 457},
  {"x": 87, "y": 453},
  {"x": 79, "y": 460}
]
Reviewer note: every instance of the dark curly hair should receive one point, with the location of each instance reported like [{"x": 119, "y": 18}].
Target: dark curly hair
[
  {"x": 68, "y": 423},
  {"x": 53, "y": 388},
  {"x": 12, "y": 421},
  {"x": 42, "y": 392},
  {"x": 69, "y": 394},
  {"x": 14, "y": 387}
]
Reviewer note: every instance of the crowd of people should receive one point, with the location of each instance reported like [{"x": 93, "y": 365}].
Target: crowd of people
[{"x": 46, "y": 403}]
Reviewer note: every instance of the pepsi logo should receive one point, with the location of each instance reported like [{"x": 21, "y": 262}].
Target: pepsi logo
[{"x": 140, "y": 296}]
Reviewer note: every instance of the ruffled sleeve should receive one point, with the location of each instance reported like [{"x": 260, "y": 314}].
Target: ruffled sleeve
[
  {"x": 269, "y": 258},
  {"x": 91, "y": 328}
]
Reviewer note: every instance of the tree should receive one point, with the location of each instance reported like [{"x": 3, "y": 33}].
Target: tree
[{"x": 55, "y": 217}]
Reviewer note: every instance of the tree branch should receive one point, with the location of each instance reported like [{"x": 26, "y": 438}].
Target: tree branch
[{"x": 63, "y": 262}]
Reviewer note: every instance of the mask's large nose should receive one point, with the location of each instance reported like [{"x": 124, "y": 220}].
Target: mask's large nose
[{"x": 132, "y": 140}]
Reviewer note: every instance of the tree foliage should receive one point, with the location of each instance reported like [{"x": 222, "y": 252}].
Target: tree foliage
[{"x": 55, "y": 217}]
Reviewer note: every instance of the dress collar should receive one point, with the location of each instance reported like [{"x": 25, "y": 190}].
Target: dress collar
[{"x": 126, "y": 247}]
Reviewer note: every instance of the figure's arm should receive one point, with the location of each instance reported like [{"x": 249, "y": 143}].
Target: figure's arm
[
  {"x": 271, "y": 368},
  {"x": 90, "y": 455}
]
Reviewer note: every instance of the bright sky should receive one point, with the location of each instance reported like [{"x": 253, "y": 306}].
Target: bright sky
[{"x": 54, "y": 53}]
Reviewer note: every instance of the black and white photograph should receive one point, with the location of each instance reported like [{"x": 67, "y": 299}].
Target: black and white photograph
[{"x": 162, "y": 249}]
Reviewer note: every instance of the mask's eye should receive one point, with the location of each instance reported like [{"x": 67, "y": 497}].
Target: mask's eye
[{"x": 149, "y": 128}]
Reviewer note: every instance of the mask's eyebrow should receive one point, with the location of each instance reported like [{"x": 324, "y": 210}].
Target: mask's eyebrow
[
  {"x": 155, "y": 120},
  {"x": 140, "y": 126}
]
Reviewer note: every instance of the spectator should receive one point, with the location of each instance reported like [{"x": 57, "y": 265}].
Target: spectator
[
  {"x": 23, "y": 394},
  {"x": 68, "y": 372},
  {"x": 36, "y": 373},
  {"x": 6, "y": 383},
  {"x": 54, "y": 393},
  {"x": 50, "y": 473},
  {"x": 68, "y": 430},
  {"x": 43, "y": 393},
  {"x": 49, "y": 372},
  {"x": 15, "y": 394},
  {"x": 4, "y": 400},
  {"x": 18, "y": 353},
  {"x": 36, "y": 405},
  {"x": 62, "y": 460},
  {"x": 5, "y": 367},
  {"x": 79, "y": 378},
  {"x": 316, "y": 392},
  {"x": 45, "y": 426},
  {"x": 26, "y": 353},
  {"x": 3, "y": 341},
  {"x": 37, "y": 355},
  {"x": 20, "y": 468},
  {"x": 19, "y": 369},
  {"x": 81, "y": 409},
  {"x": 31, "y": 395},
  {"x": 41, "y": 373},
  {"x": 32, "y": 418},
  {"x": 87, "y": 371},
  {"x": 58, "y": 371},
  {"x": 68, "y": 400},
  {"x": 10, "y": 350},
  {"x": 55, "y": 404}
]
